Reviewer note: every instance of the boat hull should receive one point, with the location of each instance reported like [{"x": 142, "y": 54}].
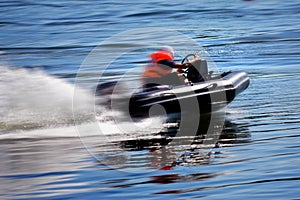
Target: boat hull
[{"x": 203, "y": 97}]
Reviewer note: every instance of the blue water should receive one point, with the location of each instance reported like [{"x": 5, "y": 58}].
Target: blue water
[{"x": 44, "y": 44}]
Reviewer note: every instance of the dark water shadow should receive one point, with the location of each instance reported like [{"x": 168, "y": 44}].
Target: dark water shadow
[
  {"x": 158, "y": 153},
  {"x": 231, "y": 133},
  {"x": 164, "y": 149}
]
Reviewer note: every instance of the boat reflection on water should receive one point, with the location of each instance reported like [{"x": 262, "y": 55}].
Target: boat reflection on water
[
  {"x": 232, "y": 133},
  {"x": 167, "y": 150}
]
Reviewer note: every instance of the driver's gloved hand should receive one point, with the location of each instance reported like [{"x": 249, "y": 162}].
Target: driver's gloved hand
[
  {"x": 180, "y": 70},
  {"x": 186, "y": 65}
]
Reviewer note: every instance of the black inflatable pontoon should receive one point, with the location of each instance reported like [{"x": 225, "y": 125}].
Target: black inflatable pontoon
[{"x": 201, "y": 92}]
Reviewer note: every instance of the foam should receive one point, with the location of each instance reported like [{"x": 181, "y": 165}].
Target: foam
[{"x": 32, "y": 98}]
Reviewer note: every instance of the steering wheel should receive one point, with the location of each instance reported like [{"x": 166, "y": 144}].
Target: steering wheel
[{"x": 186, "y": 58}]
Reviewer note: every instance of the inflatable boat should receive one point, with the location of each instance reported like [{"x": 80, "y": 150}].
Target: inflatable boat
[{"x": 197, "y": 90}]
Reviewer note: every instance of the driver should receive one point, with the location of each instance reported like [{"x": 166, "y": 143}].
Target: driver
[{"x": 159, "y": 70}]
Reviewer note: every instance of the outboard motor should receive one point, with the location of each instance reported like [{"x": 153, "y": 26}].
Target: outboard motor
[{"x": 198, "y": 72}]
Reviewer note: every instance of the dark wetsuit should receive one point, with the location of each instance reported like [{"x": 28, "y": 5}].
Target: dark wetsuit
[{"x": 166, "y": 64}]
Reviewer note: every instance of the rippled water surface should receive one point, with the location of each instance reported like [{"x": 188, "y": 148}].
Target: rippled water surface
[{"x": 44, "y": 156}]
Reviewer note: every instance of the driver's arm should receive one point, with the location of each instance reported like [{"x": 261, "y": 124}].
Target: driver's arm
[
  {"x": 172, "y": 64},
  {"x": 182, "y": 66}
]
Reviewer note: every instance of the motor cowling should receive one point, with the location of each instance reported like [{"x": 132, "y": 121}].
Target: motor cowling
[{"x": 198, "y": 71}]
